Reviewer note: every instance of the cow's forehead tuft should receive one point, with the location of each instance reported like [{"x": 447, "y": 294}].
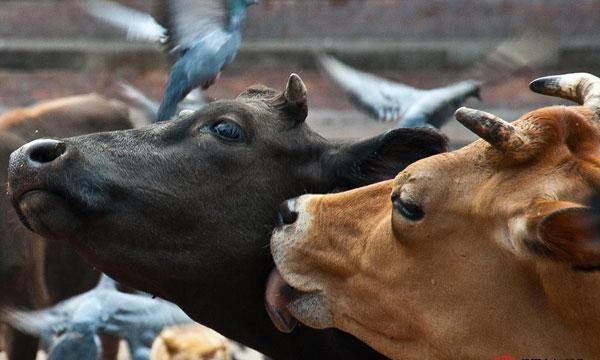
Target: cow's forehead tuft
[{"x": 258, "y": 92}]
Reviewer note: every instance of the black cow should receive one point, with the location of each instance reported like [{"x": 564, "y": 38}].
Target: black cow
[{"x": 185, "y": 209}]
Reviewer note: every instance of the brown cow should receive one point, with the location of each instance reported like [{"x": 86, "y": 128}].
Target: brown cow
[
  {"x": 481, "y": 252},
  {"x": 34, "y": 273}
]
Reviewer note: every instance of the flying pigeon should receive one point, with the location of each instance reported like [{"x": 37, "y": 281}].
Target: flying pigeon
[
  {"x": 204, "y": 34},
  {"x": 71, "y": 328},
  {"x": 406, "y": 106}
]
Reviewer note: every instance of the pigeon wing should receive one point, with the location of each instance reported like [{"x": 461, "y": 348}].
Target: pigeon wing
[
  {"x": 138, "y": 25},
  {"x": 382, "y": 99},
  {"x": 509, "y": 57},
  {"x": 42, "y": 323},
  {"x": 131, "y": 313},
  {"x": 434, "y": 107},
  {"x": 187, "y": 21}
]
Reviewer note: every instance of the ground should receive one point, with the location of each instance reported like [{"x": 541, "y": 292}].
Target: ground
[{"x": 329, "y": 111}]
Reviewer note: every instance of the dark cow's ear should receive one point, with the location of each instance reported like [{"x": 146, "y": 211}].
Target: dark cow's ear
[
  {"x": 295, "y": 98},
  {"x": 382, "y": 157}
]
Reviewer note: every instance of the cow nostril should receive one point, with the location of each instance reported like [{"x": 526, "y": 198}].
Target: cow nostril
[
  {"x": 45, "y": 150},
  {"x": 286, "y": 216}
]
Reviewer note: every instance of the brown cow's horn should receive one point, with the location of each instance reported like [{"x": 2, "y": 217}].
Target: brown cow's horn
[
  {"x": 497, "y": 132},
  {"x": 296, "y": 96},
  {"x": 582, "y": 88}
]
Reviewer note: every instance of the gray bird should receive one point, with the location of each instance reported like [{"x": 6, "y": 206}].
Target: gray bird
[
  {"x": 79, "y": 342},
  {"x": 386, "y": 100},
  {"x": 205, "y": 35},
  {"x": 71, "y": 328},
  {"x": 406, "y": 106}
]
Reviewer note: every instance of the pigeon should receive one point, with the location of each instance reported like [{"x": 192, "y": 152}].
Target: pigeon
[
  {"x": 406, "y": 106},
  {"x": 71, "y": 328},
  {"x": 205, "y": 36}
]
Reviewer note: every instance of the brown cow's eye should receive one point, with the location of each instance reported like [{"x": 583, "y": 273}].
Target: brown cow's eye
[
  {"x": 408, "y": 210},
  {"x": 226, "y": 130}
]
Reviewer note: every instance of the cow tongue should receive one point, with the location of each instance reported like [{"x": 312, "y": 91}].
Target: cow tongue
[{"x": 276, "y": 301}]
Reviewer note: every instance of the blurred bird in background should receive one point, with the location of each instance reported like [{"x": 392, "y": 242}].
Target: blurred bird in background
[
  {"x": 70, "y": 329},
  {"x": 406, "y": 106},
  {"x": 205, "y": 36}
]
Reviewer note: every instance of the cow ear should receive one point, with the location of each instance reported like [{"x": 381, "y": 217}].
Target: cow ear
[
  {"x": 296, "y": 98},
  {"x": 566, "y": 232},
  {"x": 382, "y": 157}
]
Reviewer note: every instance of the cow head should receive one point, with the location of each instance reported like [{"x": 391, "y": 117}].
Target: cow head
[
  {"x": 467, "y": 254},
  {"x": 184, "y": 209}
]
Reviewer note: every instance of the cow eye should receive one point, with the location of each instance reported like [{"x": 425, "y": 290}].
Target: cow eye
[
  {"x": 227, "y": 130},
  {"x": 406, "y": 209}
]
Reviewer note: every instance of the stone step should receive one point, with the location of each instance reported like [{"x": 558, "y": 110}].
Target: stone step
[
  {"x": 77, "y": 53},
  {"x": 375, "y": 34}
]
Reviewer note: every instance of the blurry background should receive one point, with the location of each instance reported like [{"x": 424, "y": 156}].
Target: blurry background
[{"x": 50, "y": 48}]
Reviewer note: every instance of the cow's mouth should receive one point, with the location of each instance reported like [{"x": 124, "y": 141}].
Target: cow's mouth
[
  {"x": 44, "y": 212},
  {"x": 287, "y": 305},
  {"x": 278, "y": 296},
  {"x": 21, "y": 211},
  {"x": 49, "y": 203}
]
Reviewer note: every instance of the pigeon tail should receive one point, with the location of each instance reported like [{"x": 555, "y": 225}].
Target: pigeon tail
[
  {"x": 167, "y": 109},
  {"x": 176, "y": 90}
]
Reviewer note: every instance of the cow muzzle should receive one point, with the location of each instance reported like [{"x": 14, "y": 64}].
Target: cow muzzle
[
  {"x": 35, "y": 185},
  {"x": 290, "y": 294},
  {"x": 287, "y": 214}
]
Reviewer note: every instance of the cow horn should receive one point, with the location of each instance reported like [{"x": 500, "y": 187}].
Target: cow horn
[
  {"x": 582, "y": 88},
  {"x": 497, "y": 132},
  {"x": 296, "y": 97}
]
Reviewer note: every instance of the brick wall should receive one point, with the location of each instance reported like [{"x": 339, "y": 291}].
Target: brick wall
[{"x": 392, "y": 20}]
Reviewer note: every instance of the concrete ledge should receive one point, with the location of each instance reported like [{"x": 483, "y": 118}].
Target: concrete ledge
[
  {"x": 29, "y": 54},
  {"x": 80, "y": 54}
]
